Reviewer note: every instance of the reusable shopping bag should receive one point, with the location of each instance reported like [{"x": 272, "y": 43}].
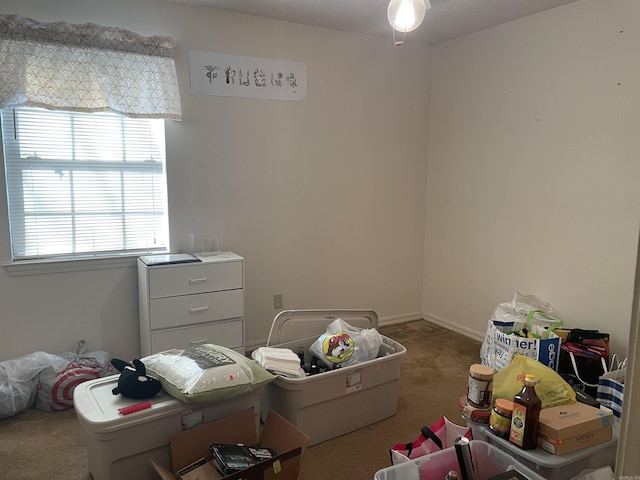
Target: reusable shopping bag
[
  {"x": 610, "y": 391},
  {"x": 440, "y": 435},
  {"x": 524, "y": 326}
]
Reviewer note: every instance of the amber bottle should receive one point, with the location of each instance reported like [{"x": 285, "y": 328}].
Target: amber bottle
[{"x": 525, "y": 416}]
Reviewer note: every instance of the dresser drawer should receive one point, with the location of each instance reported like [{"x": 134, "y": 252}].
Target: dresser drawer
[
  {"x": 194, "y": 309},
  {"x": 193, "y": 278},
  {"x": 227, "y": 333}
]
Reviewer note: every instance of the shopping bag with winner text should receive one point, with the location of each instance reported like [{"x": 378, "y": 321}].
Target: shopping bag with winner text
[{"x": 521, "y": 327}]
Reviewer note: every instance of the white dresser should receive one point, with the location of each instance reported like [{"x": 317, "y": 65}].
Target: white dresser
[{"x": 189, "y": 304}]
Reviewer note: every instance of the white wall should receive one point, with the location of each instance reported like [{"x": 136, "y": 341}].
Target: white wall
[
  {"x": 531, "y": 178},
  {"x": 533, "y": 168},
  {"x": 324, "y": 198}
]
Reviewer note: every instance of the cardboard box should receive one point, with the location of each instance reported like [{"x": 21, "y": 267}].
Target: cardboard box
[
  {"x": 193, "y": 445},
  {"x": 577, "y": 442},
  {"x": 573, "y": 419},
  {"x": 200, "y": 470}
]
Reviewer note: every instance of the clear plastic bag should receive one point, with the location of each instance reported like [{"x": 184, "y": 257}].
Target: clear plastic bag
[
  {"x": 99, "y": 361},
  {"x": 19, "y": 378}
]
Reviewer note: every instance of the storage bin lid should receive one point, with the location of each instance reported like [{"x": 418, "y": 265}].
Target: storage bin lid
[
  {"x": 291, "y": 325},
  {"x": 97, "y": 407}
]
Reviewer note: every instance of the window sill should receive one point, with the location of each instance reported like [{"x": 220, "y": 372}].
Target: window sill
[{"x": 41, "y": 267}]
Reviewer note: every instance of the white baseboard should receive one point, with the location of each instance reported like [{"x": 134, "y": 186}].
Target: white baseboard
[
  {"x": 394, "y": 319},
  {"x": 467, "y": 332}
]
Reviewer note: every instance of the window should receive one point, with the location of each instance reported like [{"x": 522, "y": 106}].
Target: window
[{"x": 83, "y": 184}]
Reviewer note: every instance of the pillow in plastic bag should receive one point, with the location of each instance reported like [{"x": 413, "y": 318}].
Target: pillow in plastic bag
[
  {"x": 206, "y": 373},
  {"x": 343, "y": 345}
]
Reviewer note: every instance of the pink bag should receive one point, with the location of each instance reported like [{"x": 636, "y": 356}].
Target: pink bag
[{"x": 442, "y": 434}]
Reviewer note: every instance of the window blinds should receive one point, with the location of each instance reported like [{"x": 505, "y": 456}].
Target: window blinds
[{"x": 84, "y": 183}]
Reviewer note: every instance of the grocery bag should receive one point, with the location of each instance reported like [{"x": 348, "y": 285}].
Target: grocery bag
[
  {"x": 550, "y": 386},
  {"x": 610, "y": 391},
  {"x": 438, "y": 436},
  {"x": 530, "y": 335}
]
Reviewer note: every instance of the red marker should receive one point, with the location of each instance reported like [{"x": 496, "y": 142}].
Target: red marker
[{"x": 136, "y": 407}]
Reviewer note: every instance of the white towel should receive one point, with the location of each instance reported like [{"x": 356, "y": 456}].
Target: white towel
[{"x": 282, "y": 361}]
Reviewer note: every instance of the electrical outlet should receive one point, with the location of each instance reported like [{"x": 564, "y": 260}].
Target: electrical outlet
[{"x": 277, "y": 301}]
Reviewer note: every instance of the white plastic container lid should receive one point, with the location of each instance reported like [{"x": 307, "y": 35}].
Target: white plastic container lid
[
  {"x": 97, "y": 407},
  {"x": 290, "y": 325}
]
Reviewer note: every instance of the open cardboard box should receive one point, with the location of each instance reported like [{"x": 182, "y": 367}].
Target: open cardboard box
[{"x": 283, "y": 437}]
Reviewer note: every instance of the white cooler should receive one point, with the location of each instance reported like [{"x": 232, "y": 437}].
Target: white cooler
[
  {"x": 121, "y": 446},
  {"x": 339, "y": 401}
]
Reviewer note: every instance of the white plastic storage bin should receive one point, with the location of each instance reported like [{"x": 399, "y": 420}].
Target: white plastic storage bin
[
  {"x": 487, "y": 461},
  {"x": 339, "y": 401},
  {"x": 121, "y": 446},
  {"x": 559, "y": 467}
]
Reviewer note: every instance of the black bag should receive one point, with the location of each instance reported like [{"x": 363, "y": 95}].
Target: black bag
[{"x": 583, "y": 356}]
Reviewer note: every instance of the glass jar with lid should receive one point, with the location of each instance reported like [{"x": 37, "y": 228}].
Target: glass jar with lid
[{"x": 500, "y": 419}]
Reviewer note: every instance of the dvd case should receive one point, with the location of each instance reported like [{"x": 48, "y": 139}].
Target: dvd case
[{"x": 232, "y": 458}]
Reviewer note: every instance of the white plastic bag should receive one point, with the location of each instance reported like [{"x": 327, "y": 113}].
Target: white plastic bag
[{"x": 343, "y": 345}]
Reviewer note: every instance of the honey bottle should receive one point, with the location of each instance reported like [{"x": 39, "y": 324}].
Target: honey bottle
[{"x": 525, "y": 415}]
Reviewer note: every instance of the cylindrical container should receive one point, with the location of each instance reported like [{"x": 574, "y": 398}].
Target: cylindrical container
[
  {"x": 500, "y": 419},
  {"x": 452, "y": 475},
  {"x": 473, "y": 414},
  {"x": 480, "y": 386}
]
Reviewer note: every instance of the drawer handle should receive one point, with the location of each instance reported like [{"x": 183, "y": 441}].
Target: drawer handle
[
  {"x": 198, "y": 342},
  {"x": 197, "y": 280},
  {"x": 204, "y": 308}
]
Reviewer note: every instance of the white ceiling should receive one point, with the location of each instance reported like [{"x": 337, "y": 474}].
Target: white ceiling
[{"x": 445, "y": 20}]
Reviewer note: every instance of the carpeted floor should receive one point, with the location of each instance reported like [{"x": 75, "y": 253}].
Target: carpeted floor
[{"x": 37, "y": 445}]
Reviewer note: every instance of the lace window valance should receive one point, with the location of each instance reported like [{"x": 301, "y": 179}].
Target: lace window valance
[{"x": 86, "y": 68}]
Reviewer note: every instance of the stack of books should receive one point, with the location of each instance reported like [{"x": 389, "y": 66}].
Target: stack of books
[{"x": 281, "y": 361}]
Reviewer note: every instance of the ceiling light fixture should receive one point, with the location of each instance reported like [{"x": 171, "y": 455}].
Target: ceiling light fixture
[{"x": 405, "y": 16}]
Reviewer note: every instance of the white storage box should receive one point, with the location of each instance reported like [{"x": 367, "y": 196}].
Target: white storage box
[
  {"x": 559, "y": 467},
  {"x": 121, "y": 446},
  {"x": 339, "y": 401},
  {"x": 487, "y": 462}
]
